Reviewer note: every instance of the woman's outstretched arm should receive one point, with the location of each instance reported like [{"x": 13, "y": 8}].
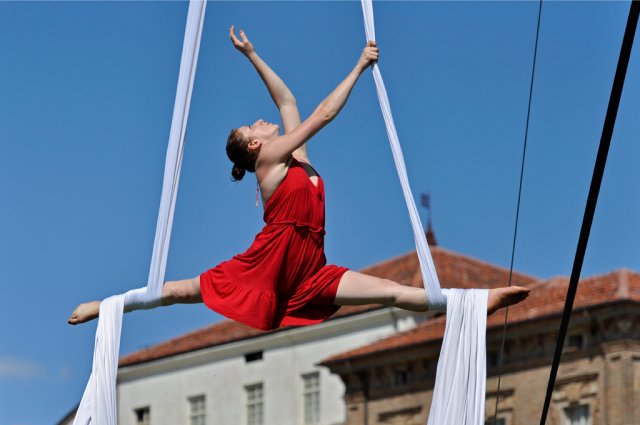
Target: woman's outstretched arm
[
  {"x": 322, "y": 115},
  {"x": 280, "y": 93}
]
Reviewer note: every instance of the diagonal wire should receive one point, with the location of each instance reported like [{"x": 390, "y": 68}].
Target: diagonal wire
[
  {"x": 515, "y": 230},
  {"x": 594, "y": 190}
]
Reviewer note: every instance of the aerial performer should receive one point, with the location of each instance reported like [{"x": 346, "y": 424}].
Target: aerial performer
[{"x": 283, "y": 278}]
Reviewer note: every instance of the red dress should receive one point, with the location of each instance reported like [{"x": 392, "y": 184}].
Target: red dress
[{"x": 282, "y": 279}]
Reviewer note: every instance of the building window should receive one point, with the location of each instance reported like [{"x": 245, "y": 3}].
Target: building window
[
  {"x": 197, "y": 410},
  {"x": 143, "y": 416},
  {"x": 576, "y": 341},
  {"x": 493, "y": 358},
  {"x": 252, "y": 357},
  {"x": 311, "y": 398},
  {"x": 577, "y": 415},
  {"x": 400, "y": 377},
  {"x": 255, "y": 404}
]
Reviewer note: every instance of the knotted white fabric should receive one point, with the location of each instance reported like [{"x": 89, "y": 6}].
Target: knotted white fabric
[
  {"x": 461, "y": 375},
  {"x": 99, "y": 401}
]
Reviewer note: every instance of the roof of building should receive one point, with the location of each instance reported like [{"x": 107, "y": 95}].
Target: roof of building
[
  {"x": 547, "y": 299},
  {"x": 454, "y": 270}
]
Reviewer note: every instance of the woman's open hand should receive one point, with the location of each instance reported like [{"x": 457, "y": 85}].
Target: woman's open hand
[
  {"x": 369, "y": 55},
  {"x": 243, "y": 46}
]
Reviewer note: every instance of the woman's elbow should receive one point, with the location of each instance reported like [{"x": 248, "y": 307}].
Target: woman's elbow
[
  {"x": 288, "y": 101},
  {"x": 325, "y": 114}
]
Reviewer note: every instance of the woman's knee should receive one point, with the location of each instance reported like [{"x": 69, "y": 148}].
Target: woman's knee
[{"x": 357, "y": 289}]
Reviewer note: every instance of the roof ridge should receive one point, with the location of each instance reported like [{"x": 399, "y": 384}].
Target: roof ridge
[
  {"x": 452, "y": 254},
  {"x": 549, "y": 280},
  {"x": 485, "y": 263},
  {"x": 614, "y": 272}
]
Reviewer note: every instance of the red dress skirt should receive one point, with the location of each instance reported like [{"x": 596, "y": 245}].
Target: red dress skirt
[{"x": 282, "y": 279}]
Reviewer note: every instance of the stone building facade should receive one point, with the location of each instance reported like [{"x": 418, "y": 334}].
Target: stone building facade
[{"x": 390, "y": 382}]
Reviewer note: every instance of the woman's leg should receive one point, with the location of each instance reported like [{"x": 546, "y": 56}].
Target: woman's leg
[
  {"x": 185, "y": 291},
  {"x": 357, "y": 289}
]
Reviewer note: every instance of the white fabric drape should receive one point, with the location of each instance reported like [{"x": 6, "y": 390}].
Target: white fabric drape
[
  {"x": 459, "y": 391},
  {"x": 99, "y": 401},
  {"x": 461, "y": 375},
  {"x": 432, "y": 285}
]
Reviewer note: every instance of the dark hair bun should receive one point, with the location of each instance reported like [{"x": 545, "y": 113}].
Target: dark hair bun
[{"x": 237, "y": 173}]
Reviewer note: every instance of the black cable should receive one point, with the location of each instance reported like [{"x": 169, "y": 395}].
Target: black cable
[
  {"x": 515, "y": 230},
  {"x": 594, "y": 189}
]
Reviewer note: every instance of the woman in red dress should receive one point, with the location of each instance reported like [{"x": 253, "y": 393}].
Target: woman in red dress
[{"x": 283, "y": 279}]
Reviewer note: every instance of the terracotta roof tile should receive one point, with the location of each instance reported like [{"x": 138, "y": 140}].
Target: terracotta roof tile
[
  {"x": 547, "y": 299},
  {"x": 220, "y": 333},
  {"x": 454, "y": 270}
]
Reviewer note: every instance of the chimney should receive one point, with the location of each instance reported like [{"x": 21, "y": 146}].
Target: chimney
[
  {"x": 425, "y": 200},
  {"x": 431, "y": 236}
]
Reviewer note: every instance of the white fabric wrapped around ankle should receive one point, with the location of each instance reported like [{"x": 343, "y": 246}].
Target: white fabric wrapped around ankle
[
  {"x": 437, "y": 303},
  {"x": 140, "y": 299}
]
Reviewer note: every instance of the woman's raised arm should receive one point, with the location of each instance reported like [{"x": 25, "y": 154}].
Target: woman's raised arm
[
  {"x": 280, "y": 93},
  {"x": 325, "y": 112}
]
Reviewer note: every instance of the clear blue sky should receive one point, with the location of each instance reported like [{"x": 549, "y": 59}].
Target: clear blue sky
[{"x": 86, "y": 97}]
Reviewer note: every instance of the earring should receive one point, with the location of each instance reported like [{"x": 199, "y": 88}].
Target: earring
[{"x": 257, "y": 192}]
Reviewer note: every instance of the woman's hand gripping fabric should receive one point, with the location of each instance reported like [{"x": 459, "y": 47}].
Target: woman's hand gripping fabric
[{"x": 370, "y": 54}]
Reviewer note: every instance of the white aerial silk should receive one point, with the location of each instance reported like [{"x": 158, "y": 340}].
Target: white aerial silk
[
  {"x": 459, "y": 393},
  {"x": 98, "y": 405}
]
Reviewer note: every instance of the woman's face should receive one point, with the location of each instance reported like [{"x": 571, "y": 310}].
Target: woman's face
[{"x": 261, "y": 130}]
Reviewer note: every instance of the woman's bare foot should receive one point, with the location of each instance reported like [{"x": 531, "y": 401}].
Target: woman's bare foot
[
  {"x": 504, "y": 297},
  {"x": 84, "y": 312}
]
